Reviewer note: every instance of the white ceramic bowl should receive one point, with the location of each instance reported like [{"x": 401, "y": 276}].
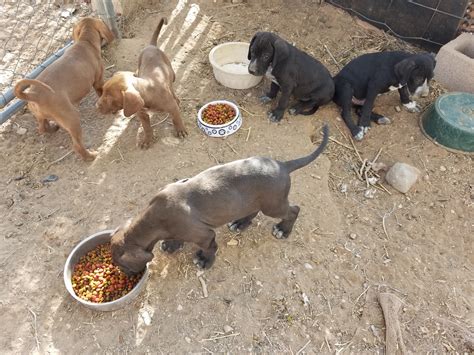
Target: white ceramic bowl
[
  {"x": 83, "y": 248},
  {"x": 230, "y": 65},
  {"x": 222, "y": 130}
]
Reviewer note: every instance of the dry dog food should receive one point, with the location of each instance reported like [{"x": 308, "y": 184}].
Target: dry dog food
[
  {"x": 217, "y": 114},
  {"x": 97, "y": 279}
]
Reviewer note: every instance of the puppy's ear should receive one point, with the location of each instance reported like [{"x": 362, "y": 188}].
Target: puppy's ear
[
  {"x": 135, "y": 258},
  {"x": 281, "y": 51},
  {"x": 76, "y": 32},
  {"x": 250, "y": 47},
  {"x": 132, "y": 102},
  {"x": 103, "y": 30},
  {"x": 404, "y": 69}
]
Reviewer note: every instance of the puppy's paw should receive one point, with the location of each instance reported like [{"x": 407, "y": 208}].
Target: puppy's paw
[
  {"x": 145, "y": 143},
  {"x": 238, "y": 226},
  {"x": 412, "y": 107},
  {"x": 265, "y": 99},
  {"x": 279, "y": 233},
  {"x": 203, "y": 262},
  {"x": 181, "y": 132},
  {"x": 293, "y": 111},
  {"x": 383, "y": 120},
  {"x": 359, "y": 135},
  {"x": 89, "y": 155},
  {"x": 275, "y": 115},
  {"x": 52, "y": 127},
  {"x": 170, "y": 246}
]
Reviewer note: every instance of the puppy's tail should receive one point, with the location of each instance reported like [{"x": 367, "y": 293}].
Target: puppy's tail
[
  {"x": 296, "y": 164},
  {"x": 24, "y": 84},
  {"x": 154, "y": 38}
]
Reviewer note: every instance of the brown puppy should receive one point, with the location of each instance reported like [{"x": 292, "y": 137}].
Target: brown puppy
[
  {"x": 151, "y": 88},
  {"x": 62, "y": 85},
  {"x": 190, "y": 209}
]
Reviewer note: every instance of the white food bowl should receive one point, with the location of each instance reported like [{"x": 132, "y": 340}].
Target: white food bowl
[
  {"x": 222, "y": 130},
  {"x": 230, "y": 65}
]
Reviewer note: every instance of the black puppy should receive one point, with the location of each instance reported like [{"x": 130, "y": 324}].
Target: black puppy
[
  {"x": 293, "y": 72},
  {"x": 369, "y": 75}
]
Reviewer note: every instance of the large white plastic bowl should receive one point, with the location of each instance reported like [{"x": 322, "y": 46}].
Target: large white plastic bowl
[
  {"x": 230, "y": 65},
  {"x": 222, "y": 130},
  {"x": 83, "y": 248}
]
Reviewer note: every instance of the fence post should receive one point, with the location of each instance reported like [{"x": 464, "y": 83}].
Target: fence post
[{"x": 106, "y": 11}]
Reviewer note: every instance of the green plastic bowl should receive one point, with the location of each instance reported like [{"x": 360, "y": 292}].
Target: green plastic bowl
[{"x": 450, "y": 121}]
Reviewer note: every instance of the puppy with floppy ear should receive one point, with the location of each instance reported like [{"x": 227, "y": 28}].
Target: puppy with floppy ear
[
  {"x": 365, "y": 77},
  {"x": 293, "y": 72},
  {"x": 62, "y": 85},
  {"x": 150, "y": 88}
]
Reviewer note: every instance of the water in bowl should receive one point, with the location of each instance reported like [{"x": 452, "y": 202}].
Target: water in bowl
[{"x": 236, "y": 68}]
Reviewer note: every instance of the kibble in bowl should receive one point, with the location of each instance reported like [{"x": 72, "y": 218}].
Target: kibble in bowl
[
  {"x": 93, "y": 280},
  {"x": 219, "y": 118}
]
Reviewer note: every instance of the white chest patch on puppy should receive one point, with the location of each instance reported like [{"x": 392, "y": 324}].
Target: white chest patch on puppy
[
  {"x": 269, "y": 75},
  {"x": 423, "y": 90},
  {"x": 392, "y": 88}
]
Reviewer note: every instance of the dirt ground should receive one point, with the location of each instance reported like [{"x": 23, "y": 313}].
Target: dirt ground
[{"x": 313, "y": 293}]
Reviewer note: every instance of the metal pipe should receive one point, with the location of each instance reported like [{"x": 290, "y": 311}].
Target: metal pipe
[{"x": 9, "y": 95}]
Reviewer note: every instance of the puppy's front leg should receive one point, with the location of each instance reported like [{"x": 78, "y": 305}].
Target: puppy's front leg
[
  {"x": 147, "y": 130},
  {"x": 269, "y": 96},
  {"x": 411, "y": 106},
  {"x": 366, "y": 112},
  {"x": 205, "y": 256},
  {"x": 277, "y": 114}
]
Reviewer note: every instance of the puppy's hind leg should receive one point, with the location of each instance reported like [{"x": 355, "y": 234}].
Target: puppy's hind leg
[
  {"x": 242, "y": 224},
  {"x": 205, "y": 256},
  {"x": 288, "y": 215},
  {"x": 305, "y": 108},
  {"x": 70, "y": 121},
  {"x": 170, "y": 246},
  {"x": 45, "y": 126}
]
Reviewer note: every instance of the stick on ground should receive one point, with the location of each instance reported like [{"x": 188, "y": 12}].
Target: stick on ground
[{"x": 391, "y": 305}]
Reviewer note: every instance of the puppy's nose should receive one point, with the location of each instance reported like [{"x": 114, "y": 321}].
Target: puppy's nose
[{"x": 252, "y": 67}]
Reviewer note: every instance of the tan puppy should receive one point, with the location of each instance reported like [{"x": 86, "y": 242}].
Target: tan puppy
[
  {"x": 151, "y": 88},
  {"x": 62, "y": 85}
]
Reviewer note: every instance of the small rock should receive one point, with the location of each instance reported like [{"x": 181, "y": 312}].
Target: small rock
[
  {"x": 233, "y": 242},
  {"x": 228, "y": 329},
  {"x": 398, "y": 109},
  {"x": 188, "y": 340},
  {"x": 145, "y": 316},
  {"x": 370, "y": 193},
  {"x": 336, "y": 277},
  {"x": 402, "y": 176},
  {"x": 50, "y": 178},
  {"x": 442, "y": 168},
  {"x": 372, "y": 180},
  {"x": 343, "y": 188},
  {"x": 308, "y": 266},
  {"x": 180, "y": 308},
  {"x": 21, "y": 131},
  {"x": 353, "y": 236}
]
